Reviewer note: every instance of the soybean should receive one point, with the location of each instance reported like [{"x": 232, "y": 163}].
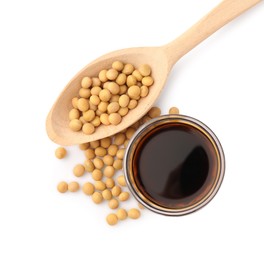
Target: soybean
[
  {"x": 60, "y": 152},
  {"x": 134, "y": 213},
  {"x": 78, "y": 170},
  {"x": 130, "y": 132},
  {"x": 124, "y": 100},
  {"x": 154, "y": 112},
  {"x": 118, "y": 65},
  {"x": 123, "y": 196},
  {"x": 107, "y": 195},
  {"x": 88, "y": 165},
  {"x": 86, "y": 82},
  {"x": 89, "y": 115},
  {"x": 100, "y": 151},
  {"x": 84, "y": 146},
  {"x": 83, "y": 104},
  {"x": 123, "y": 111},
  {"x": 144, "y": 70},
  {"x": 73, "y": 186},
  {"x": 147, "y": 81},
  {"x": 109, "y": 183},
  {"x": 97, "y": 175},
  {"x": 121, "y": 214},
  {"x": 74, "y": 114},
  {"x": 98, "y": 163},
  {"x": 97, "y": 197},
  {"x": 174, "y": 110},
  {"x": 116, "y": 190},
  {"x": 115, "y": 118},
  {"x": 113, "y": 203},
  {"x": 99, "y": 185},
  {"x": 112, "y": 219},
  {"x": 94, "y": 144},
  {"x": 119, "y": 139},
  {"x": 134, "y": 92},
  {"x": 62, "y": 187},
  {"x": 112, "y": 149},
  {"x": 108, "y": 160},
  {"x": 120, "y": 153},
  {"x": 121, "y": 180},
  {"x": 118, "y": 164},
  {"x": 88, "y": 188},
  {"x": 89, "y": 153},
  {"x": 109, "y": 171},
  {"x": 88, "y": 128},
  {"x": 105, "y": 142},
  {"x": 75, "y": 125}
]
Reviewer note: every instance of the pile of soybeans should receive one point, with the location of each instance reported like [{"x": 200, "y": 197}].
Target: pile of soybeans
[
  {"x": 104, "y": 162},
  {"x": 105, "y": 99}
]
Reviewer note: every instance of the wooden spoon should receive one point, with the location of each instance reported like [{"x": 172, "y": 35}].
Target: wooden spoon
[{"x": 161, "y": 59}]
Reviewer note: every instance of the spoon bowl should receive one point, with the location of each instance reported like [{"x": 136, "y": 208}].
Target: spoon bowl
[
  {"x": 161, "y": 59},
  {"x": 58, "y": 120}
]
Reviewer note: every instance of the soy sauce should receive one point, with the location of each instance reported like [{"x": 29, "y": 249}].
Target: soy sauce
[{"x": 174, "y": 165}]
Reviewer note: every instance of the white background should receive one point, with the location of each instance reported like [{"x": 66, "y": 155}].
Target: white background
[{"x": 42, "y": 45}]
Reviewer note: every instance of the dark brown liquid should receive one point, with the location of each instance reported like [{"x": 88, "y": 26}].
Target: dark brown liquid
[{"x": 175, "y": 165}]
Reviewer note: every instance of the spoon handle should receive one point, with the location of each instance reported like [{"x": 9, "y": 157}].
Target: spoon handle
[{"x": 226, "y": 11}]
